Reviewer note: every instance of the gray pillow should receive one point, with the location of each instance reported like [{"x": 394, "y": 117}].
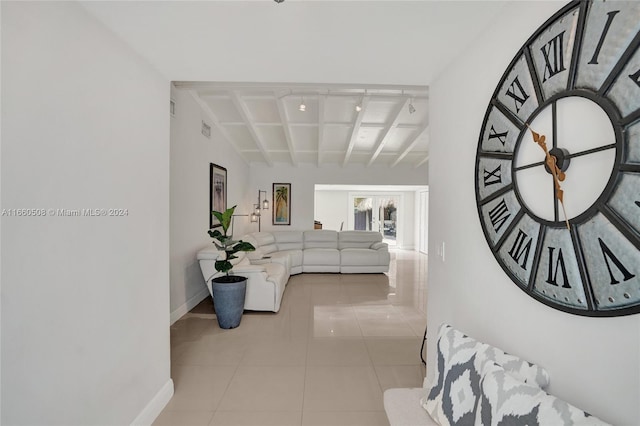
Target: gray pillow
[
  {"x": 506, "y": 400},
  {"x": 454, "y": 395}
]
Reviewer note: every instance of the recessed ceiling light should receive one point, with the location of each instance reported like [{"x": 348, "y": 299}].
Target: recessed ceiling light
[
  {"x": 302, "y": 106},
  {"x": 358, "y": 108}
]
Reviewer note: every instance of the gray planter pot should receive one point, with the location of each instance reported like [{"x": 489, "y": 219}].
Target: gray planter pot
[{"x": 228, "y": 299}]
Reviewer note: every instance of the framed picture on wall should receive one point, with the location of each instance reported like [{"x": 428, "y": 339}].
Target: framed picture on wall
[
  {"x": 217, "y": 191},
  {"x": 281, "y": 204}
]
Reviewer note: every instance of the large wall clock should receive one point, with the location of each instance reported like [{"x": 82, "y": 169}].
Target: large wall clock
[{"x": 558, "y": 162}]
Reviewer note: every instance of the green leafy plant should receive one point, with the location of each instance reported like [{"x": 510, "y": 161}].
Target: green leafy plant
[{"x": 226, "y": 242}]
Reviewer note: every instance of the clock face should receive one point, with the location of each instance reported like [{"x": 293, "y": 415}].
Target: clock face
[{"x": 558, "y": 162}]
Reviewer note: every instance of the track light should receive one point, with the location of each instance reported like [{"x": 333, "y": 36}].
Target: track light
[
  {"x": 359, "y": 104},
  {"x": 302, "y": 106}
]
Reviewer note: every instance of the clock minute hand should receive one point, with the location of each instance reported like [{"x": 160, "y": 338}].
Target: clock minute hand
[{"x": 558, "y": 175}]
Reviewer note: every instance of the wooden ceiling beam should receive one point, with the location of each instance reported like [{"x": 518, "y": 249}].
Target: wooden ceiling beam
[
  {"x": 410, "y": 145},
  {"x": 246, "y": 117},
  {"x": 389, "y": 126},
  {"x": 424, "y": 160},
  {"x": 223, "y": 131},
  {"x": 355, "y": 129},
  {"x": 284, "y": 118},
  {"x": 321, "y": 109}
]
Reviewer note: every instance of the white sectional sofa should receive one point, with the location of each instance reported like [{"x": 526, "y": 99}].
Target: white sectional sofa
[
  {"x": 280, "y": 254},
  {"x": 347, "y": 252}
]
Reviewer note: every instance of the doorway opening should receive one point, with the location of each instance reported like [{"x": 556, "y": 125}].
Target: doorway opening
[
  {"x": 376, "y": 213},
  {"x": 396, "y": 211}
]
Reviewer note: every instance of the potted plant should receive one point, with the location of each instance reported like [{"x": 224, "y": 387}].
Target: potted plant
[{"x": 228, "y": 290}]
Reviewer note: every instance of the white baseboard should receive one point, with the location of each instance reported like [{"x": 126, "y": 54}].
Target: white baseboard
[
  {"x": 153, "y": 409},
  {"x": 188, "y": 305}
]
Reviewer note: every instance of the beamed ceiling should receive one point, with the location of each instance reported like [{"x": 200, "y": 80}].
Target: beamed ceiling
[
  {"x": 391, "y": 50},
  {"x": 264, "y": 123}
]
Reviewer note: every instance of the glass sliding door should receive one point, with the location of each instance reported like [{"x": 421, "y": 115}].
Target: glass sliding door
[
  {"x": 362, "y": 208},
  {"x": 388, "y": 216},
  {"x": 376, "y": 213}
]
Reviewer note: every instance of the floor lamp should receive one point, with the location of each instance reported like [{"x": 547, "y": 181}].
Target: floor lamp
[{"x": 262, "y": 205}]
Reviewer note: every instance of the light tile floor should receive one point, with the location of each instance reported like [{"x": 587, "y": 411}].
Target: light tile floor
[{"x": 325, "y": 359}]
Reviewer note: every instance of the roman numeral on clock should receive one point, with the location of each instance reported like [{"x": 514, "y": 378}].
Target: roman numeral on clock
[
  {"x": 521, "y": 248},
  {"x": 502, "y": 137},
  {"x": 559, "y": 264},
  {"x": 492, "y": 177},
  {"x": 636, "y": 77},
  {"x": 596, "y": 53},
  {"x": 517, "y": 93},
  {"x": 553, "y": 57},
  {"x": 609, "y": 256},
  {"x": 499, "y": 215}
]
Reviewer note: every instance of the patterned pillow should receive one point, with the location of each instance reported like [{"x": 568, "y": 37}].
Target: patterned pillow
[
  {"x": 519, "y": 368},
  {"x": 453, "y": 397},
  {"x": 506, "y": 400}
]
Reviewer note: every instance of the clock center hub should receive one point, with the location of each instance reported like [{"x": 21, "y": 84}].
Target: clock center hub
[{"x": 562, "y": 158}]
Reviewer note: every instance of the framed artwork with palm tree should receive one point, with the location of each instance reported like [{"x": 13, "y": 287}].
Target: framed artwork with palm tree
[{"x": 281, "y": 204}]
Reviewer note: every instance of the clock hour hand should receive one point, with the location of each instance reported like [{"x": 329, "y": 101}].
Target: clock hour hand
[{"x": 556, "y": 172}]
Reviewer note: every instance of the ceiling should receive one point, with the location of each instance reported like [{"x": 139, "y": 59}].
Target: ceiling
[
  {"x": 264, "y": 123},
  {"x": 233, "y": 57}
]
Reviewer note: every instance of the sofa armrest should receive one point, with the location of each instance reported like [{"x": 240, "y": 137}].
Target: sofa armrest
[
  {"x": 248, "y": 269},
  {"x": 379, "y": 245}
]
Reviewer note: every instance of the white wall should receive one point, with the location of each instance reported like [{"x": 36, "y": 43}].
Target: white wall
[
  {"x": 191, "y": 153},
  {"x": 304, "y": 179},
  {"x": 594, "y": 363},
  {"x": 85, "y": 300},
  {"x": 332, "y": 209}
]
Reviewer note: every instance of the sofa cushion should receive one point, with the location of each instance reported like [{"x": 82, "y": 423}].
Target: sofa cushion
[
  {"x": 321, "y": 238},
  {"x": 295, "y": 256},
  {"x": 321, "y": 256},
  {"x": 507, "y": 400},
  {"x": 264, "y": 242},
  {"x": 268, "y": 249},
  {"x": 288, "y": 240},
  {"x": 263, "y": 238},
  {"x": 454, "y": 395},
  {"x": 359, "y": 257},
  {"x": 358, "y": 239},
  {"x": 378, "y": 246},
  {"x": 257, "y": 253}
]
